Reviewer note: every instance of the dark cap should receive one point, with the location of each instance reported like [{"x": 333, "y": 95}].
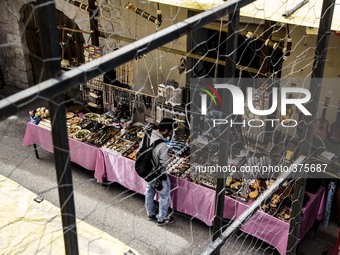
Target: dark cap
[{"x": 167, "y": 123}]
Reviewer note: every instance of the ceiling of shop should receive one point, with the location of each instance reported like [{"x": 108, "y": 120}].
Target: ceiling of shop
[{"x": 308, "y": 15}]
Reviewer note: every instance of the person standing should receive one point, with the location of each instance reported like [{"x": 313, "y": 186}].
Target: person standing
[{"x": 162, "y": 183}]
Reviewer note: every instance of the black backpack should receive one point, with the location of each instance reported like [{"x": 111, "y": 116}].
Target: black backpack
[{"x": 144, "y": 163}]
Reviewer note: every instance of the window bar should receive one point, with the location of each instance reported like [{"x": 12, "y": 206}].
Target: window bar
[
  {"x": 51, "y": 55},
  {"x": 224, "y": 145}
]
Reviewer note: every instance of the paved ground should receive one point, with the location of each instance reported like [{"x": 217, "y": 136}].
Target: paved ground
[{"x": 116, "y": 210}]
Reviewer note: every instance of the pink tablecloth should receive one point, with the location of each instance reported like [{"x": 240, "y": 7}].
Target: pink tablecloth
[
  {"x": 116, "y": 168},
  {"x": 186, "y": 197},
  {"x": 81, "y": 153},
  {"x": 199, "y": 201},
  {"x": 275, "y": 231}
]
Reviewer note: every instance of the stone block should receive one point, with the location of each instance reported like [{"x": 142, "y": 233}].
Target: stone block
[{"x": 14, "y": 39}]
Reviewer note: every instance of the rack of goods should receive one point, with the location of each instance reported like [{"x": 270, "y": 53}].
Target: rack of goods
[
  {"x": 129, "y": 103},
  {"x": 93, "y": 89}
]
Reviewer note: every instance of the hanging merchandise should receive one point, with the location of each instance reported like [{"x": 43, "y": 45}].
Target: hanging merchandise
[
  {"x": 128, "y": 103},
  {"x": 182, "y": 65},
  {"x": 176, "y": 99},
  {"x": 64, "y": 62},
  {"x": 329, "y": 201},
  {"x": 159, "y": 114},
  {"x": 157, "y": 20},
  {"x": 161, "y": 93},
  {"x": 124, "y": 74},
  {"x": 173, "y": 96},
  {"x": 91, "y": 53},
  {"x": 185, "y": 95},
  {"x": 172, "y": 83},
  {"x": 170, "y": 93}
]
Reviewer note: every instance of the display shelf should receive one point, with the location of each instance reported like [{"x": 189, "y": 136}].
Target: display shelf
[{"x": 115, "y": 97}]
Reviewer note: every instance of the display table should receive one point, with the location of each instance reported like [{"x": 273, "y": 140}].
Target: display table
[
  {"x": 199, "y": 201},
  {"x": 274, "y": 231},
  {"x": 81, "y": 153},
  {"x": 186, "y": 197}
]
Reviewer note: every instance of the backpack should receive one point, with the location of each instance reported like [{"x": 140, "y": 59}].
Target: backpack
[{"x": 144, "y": 163}]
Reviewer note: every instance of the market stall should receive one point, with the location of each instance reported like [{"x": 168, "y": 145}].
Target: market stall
[
  {"x": 83, "y": 154},
  {"x": 186, "y": 196},
  {"x": 199, "y": 201}
]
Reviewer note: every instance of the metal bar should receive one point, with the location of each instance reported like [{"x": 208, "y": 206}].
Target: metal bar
[
  {"x": 73, "y": 30},
  {"x": 51, "y": 67},
  {"x": 295, "y": 8},
  {"x": 143, "y": 14},
  {"x": 186, "y": 54},
  {"x": 224, "y": 145},
  {"x": 315, "y": 88},
  {"x": 2, "y": 79},
  {"x": 232, "y": 42},
  {"x": 266, "y": 51},
  {"x": 94, "y": 22},
  {"x": 250, "y": 210},
  {"x": 36, "y": 151},
  {"x": 80, "y": 5},
  {"x": 11, "y": 105},
  {"x": 129, "y": 90}
]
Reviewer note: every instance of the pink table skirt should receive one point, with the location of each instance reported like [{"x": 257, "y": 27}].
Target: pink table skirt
[
  {"x": 81, "y": 153},
  {"x": 199, "y": 201},
  {"x": 275, "y": 232},
  {"x": 116, "y": 168},
  {"x": 186, "y": 197}
]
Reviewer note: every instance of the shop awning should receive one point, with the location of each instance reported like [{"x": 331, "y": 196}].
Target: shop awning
[
  {"x": 307, "y": 15},
  {"x": 192, "y": 4}
]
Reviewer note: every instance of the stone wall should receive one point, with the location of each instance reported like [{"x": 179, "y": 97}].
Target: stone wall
[
  {"x": 157, "y": 66},
  {"x": 154, "y": 68},
  {"x": 12, "y": 53},
  {"x": 14, "y": 56}
]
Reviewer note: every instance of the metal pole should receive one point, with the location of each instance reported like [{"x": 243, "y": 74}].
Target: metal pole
[
  {"x": 2, "y": 79},
  {"x": 224, "y": 145},
  {"x": 94, "y": 22},
  {"x": 80, "y": 5},
  {"x": 187, "y": 54},
  {"x": 232, "y": 43},
  {"x": 36, "y": 151},
  {"x": 316, "y": 81},
  {"x": 51, "y": 68},
  {"x": 217, "y": 244}
]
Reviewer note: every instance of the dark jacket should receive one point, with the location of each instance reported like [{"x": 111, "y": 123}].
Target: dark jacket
[{"x": 160, "y": 152}]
